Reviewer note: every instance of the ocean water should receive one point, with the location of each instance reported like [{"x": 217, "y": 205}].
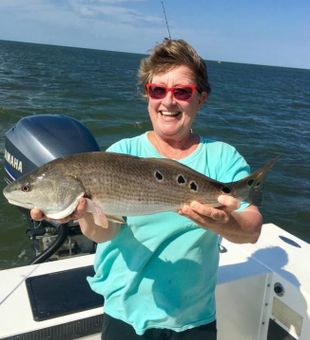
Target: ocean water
[{"x": 262, "y": 110}]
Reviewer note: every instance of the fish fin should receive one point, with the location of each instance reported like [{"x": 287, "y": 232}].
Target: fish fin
[
  {"x": 99, "y": 217},
  {"x": 254, "y": 183},
  {"x": 116, "y": 219},
  {"x": 256, "y": 197}
]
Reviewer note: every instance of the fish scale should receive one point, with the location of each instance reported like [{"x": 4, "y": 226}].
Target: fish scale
[
  {"x": 123, "y": 185},
  {"x": 150, "y": 194}
]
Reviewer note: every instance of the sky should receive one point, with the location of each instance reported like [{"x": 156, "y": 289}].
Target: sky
[{"x": 266, "y": 32}]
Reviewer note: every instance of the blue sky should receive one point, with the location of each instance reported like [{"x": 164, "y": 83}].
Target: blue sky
[{"x": 268, "y": 32}]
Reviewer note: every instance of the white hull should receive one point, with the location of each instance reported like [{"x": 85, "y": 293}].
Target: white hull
[{"x": 248, "y": 306}]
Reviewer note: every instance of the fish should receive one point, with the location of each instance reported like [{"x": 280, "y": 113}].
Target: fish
[{"x": 119, "y": 185}]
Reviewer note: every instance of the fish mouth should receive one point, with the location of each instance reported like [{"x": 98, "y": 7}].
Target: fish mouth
[{"x": 26, "y": 205}]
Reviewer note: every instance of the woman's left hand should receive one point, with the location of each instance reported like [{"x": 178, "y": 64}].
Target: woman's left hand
[
  {"x": 206, "y": 216},
  {"x": 236, "y": 226}
]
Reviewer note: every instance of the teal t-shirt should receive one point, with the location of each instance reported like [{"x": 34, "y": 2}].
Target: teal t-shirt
[{"x": 160, "y": 270}]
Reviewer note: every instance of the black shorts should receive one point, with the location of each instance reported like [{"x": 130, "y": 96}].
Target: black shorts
[{"x": 113, "y": 329}]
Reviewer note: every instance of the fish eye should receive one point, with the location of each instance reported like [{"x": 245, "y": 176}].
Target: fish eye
[{"x": 26, "y": 187}]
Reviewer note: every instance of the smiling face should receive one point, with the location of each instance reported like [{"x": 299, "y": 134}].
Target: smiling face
[{"x": 171, "y": 118}]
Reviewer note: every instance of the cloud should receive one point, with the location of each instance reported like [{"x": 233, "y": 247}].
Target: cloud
[
  {"x": 116, "y": 10},
  {"x": 116, "y": 25},
  {"x": 24, "y": 6}
]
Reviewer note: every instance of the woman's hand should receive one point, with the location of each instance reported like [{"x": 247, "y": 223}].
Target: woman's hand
[
  {"x": 80, "y": 211},
  {"x": 239, "y": 227},
  {"x": 205, "y": 215},
  {"x": 88, "y": 227}
]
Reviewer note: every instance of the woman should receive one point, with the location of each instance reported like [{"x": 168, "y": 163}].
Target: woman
[{"x": 158, "y": 272}]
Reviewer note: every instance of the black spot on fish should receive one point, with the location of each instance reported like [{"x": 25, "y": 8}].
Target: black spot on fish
[
  {"x": 158, "y": 175},
  {"x": 226, "y": 190},
  {"x": 193, "y": 186},
  {"x": 250, "y": 182},
  {"x": 181, "y": 180}
]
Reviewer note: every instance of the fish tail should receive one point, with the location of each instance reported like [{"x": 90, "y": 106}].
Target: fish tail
[
  {"x": 257, "y": 182},
  {"x": 250, "y": 188}
]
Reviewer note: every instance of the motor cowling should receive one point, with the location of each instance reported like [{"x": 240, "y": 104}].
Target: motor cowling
[{"x": 36, "y": 140}]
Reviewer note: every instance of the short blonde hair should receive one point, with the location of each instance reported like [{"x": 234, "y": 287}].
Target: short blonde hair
[{"x": 169, "y": 54}]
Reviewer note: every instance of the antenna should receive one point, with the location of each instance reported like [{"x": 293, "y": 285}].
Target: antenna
[{"x": 166, "y": 20}]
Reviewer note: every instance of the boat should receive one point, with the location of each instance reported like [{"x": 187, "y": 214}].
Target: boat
[{"x": 263, "y": 289}]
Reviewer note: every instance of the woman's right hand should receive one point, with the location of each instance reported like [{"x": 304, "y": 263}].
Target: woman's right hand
[
  {"x": 88, "y": 227},
  {"x": 80, "y": 211}
]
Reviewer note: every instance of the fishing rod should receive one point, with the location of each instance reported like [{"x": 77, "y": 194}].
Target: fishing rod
[{"x": 166, "y": 20}]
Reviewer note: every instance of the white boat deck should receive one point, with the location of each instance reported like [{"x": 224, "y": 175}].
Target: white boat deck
[
  {"x": 250, "y": 277},
  {"x": 262, "y": 288}
]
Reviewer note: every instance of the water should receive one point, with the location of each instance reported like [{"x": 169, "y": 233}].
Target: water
[{"x": 263, "y": 111}]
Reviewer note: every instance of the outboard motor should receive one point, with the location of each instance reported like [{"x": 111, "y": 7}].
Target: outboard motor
[{"x": 34, "y": 141}]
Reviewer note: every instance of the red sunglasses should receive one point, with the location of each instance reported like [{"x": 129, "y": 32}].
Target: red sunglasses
[{"x": 180, "y": 92}]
